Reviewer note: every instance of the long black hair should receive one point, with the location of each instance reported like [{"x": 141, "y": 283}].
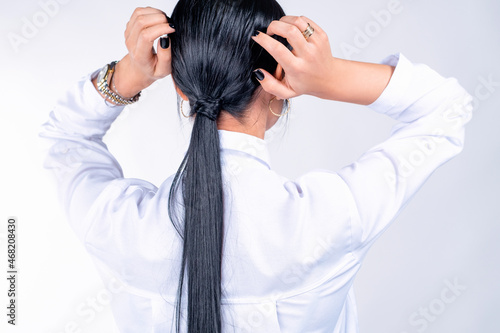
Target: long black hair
[{"x": 213, "y": 58}]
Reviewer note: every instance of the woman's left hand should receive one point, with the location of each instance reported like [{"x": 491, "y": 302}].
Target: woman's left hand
[
  {"x": 309, "y": 67},
  {"x": 142, "y": 65}
]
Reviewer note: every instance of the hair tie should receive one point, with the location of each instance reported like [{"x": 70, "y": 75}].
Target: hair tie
[{"x": 208, "y": 107}]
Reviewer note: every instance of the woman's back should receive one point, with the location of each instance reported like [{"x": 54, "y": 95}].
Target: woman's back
[{"x": 291, "y": 248}]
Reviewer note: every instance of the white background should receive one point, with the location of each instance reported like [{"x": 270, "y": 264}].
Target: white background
[{"x": 449, "y": 232}]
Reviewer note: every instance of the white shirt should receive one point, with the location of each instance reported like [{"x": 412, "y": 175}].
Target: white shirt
[{"x": 292, "y": 247}]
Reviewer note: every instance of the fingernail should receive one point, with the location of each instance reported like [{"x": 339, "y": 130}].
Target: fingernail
[
  {"x": 259, "y": 75},
  {"x": 256, "y": 33},
  {"x": 171, "y": 25},
  {"x": 164, "y": 42}
]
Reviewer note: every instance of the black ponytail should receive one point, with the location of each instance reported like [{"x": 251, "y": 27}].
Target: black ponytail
[{"x": 213, "y": 57}]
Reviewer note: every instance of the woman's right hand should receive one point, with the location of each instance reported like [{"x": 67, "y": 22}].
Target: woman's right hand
[
  {"x": 307, "y": 66},
  {"x": 142, "y": 65},
  {"x": 311, "y": 69}
]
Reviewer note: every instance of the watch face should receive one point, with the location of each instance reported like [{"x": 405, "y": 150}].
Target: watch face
[{"x": 102, "y": 73}]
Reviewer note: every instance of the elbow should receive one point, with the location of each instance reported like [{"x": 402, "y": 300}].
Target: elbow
[
  {"x": 456, "y": 144},
  {"x": 454, "y": 119}
]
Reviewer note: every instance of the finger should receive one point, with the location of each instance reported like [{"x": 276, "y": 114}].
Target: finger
[
  {"x": 138, "y": 12},
  {"x": 142, "y": 22},
  {"x": 146, "y": 39},
  {"x": 299, "y": 21},
  {"x": 277, "y": 50},
  {"x": 302, "y": 22},
  {"x": 316, "y": 26},
  {"x": 163, "y": 66},
  {"x": 275, "y": 87},
  {"x": 290, "y": 32}
]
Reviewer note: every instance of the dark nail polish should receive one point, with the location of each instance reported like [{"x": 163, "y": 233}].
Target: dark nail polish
[
  {"x": 164, "y": 42},
  {"x": 171, "y": 25},
  {"x": 259, "y": 75},
  {"x": 256, "y": 33}
]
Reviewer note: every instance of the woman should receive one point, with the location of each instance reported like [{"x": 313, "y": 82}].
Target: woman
[{"x": 245, "y": 250}]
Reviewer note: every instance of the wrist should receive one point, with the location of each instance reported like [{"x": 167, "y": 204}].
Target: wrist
[
  {"x": 103, "y": 84},
  {"x": 358, "y": 82},
  {"x": 332, "y": 87},
  {"x": 128, "y": 81}
]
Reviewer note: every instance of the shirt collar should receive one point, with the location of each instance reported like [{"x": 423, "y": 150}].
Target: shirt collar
[{"x": 245, "y": 143}]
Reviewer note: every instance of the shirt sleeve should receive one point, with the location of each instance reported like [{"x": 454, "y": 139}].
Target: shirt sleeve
[
  {"x": 431, "y": 112},
  {"x": 77, "y": 155}
]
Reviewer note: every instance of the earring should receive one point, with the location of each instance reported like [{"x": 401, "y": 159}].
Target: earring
[
  {"x": 289, "y": 103},
  {"x": 182, "y": 111}
]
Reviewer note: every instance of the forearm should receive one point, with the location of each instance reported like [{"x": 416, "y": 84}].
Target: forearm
[
  {"x": 357, "y": 82},
  {"x": 432, "y": 112},
  {"x": 77, "y": 156}
]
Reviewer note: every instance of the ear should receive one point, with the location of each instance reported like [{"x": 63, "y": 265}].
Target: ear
[
  {"x": 279, "y": 74},
  {"x": 183, "y": 96}
]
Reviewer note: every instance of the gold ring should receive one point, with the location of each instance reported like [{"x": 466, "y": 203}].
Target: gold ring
[{"x": 308, "y": 32}]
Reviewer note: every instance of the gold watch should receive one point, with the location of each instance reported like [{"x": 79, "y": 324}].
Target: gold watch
[{"x": 102, "y": 85}]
